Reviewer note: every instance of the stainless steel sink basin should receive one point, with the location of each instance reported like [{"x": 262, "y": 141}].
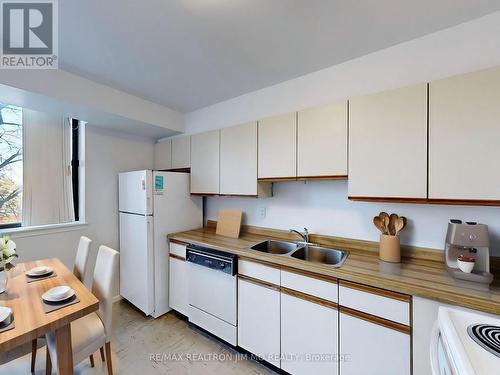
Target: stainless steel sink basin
[
  {"x": 275, "y": 247},
  {"x": 322, "y": 255}
]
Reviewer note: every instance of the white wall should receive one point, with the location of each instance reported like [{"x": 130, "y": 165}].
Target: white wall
[
  {"x": 107, "y": 154},
  {"x": 323, "y": 206}
]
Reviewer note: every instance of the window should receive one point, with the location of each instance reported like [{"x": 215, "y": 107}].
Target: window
[
  {"x": 11, "y": 166},
  {"x": 40, "y": 169}
]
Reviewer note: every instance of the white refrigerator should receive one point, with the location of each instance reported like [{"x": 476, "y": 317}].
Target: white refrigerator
[{"x": 152, "y": 204}]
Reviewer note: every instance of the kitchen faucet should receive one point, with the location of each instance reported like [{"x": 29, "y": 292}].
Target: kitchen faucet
[{"x": 304, "y": 235}]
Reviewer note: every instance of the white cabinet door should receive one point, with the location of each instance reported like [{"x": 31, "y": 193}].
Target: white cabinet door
[
  {"x": 238, "y": 160},
  {"x": 259, "y": 320},
  {"x": 464, "y": 134},
  {"x": 388, "y": 144},
  {"x": 309, "y": 337},
  {"x": 205, "y": 163},
  {"x": 178, "y": 285},
  {"x": 369, "y": 348},
  {"x": 322, "y": 141},
  {"x": 278, "y": 146},
  {"x": 163, "y": 154},
  {"x": 181, "y": 152}
]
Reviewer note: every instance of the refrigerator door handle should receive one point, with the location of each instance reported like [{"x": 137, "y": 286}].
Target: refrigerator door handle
[{"x": 143, "y": 182}]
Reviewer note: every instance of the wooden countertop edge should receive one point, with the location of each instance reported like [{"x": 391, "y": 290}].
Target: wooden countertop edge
[{"x": 362, "y": 277}]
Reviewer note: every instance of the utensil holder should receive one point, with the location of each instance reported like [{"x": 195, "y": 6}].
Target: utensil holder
[{"x": 390, "y": 249}]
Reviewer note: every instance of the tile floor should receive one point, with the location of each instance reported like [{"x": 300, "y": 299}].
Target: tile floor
[{"x": 136, "y": 339}]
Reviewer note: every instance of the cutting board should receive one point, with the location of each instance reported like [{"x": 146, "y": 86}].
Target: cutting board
[{"x": 229, "y": 223}]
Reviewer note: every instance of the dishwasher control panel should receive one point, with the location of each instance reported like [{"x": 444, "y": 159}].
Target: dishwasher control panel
[{"x": 211, "y": 258}]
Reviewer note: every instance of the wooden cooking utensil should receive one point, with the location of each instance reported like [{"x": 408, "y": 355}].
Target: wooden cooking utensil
[
  {"x": 400, "y": 224},
  {"x": 379, "y": 223},
  {"x": 385, "y": 218},
  {"x": 392, "y": 224}
]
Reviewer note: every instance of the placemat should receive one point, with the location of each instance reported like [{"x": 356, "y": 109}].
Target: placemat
[
  {"x": 30, "y": 279},
  {"x": 6, "y": 326},
  {"x": 53, "y": 306}
]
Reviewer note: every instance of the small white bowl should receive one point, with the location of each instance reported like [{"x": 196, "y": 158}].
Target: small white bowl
[
  {"x": 59, "y": 292},
  {"x": 465, "y": 266},
  {"x": 41, "y": 270}
]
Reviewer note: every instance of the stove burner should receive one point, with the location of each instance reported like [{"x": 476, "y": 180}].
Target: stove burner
[{"x": 487, "y": 336}]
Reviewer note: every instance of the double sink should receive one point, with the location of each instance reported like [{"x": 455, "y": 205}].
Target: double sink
[{"x": 303, "y": 251}]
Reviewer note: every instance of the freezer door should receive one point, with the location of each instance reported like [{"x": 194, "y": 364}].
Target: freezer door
[
  {"x": 135, "y": 192},
  {"x": 136, "y": 261}
]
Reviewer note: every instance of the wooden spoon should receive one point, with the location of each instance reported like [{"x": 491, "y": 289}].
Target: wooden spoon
[
  {"x": 379, "y": 223},
  {"x": 392, "y": 224},
  {"x": 400, "y": 224},
  {"x": 385, "y": 218}
]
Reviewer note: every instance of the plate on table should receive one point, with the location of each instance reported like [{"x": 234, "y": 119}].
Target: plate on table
[
  {"x": 39, "y": 271},
  {"x": 58, "y": 294},
  {"x": 4, "y": 314}
]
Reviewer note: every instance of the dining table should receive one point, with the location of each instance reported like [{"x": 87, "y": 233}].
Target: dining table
[{"x": 31, "y": 320}]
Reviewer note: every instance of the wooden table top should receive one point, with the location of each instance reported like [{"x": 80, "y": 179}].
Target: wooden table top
[
  {"x": 417, "y": 277},
  {"x": 25, "y": 300}
]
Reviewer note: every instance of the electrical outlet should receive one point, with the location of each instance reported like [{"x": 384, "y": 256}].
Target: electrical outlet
[{"x": 262, "y": 212}]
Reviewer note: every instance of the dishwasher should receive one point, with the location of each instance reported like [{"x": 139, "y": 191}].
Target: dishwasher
[{"x": 212, "y": 292}]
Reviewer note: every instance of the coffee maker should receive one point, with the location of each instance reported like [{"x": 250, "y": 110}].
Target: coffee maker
[{"x": 471, "y": 240}]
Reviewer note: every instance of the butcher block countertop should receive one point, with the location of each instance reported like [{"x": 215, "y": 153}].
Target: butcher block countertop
[{"x": 421, "y": 273}]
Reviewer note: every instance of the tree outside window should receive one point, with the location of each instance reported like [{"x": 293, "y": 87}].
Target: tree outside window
[{"x": 11, "y": 165}]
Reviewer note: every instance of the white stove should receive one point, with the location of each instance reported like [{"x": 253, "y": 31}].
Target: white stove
[{"x": 465, "y": 343}]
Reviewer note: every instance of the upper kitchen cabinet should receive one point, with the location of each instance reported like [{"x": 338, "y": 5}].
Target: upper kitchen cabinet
[
  {"x": 277, "y": 145},
  {"x": 181, "y": 152},
  {"x": 238, "y": 160},
  {"x": 464, "y": 134},
  {"x": 205, "y": 163},
  {"x": 322, "y": 141},
  {"x": 388, "y": 145},
  {"x": 163, "y": 154}
]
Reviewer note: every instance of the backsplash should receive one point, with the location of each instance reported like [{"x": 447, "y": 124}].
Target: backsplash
[{"x": 323, "y": 207}]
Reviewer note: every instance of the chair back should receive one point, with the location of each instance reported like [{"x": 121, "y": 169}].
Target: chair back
[
  {"x": 82, "y": 258},
  {"x": 105, "y": 273}
]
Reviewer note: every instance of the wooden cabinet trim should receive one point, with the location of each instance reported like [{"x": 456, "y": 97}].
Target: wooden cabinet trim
[
  {"x": 312, "y": 275},
  {"x": 264, "y": 284},
  {"x": 183, "y": 170},
  {"x": 388, "y": 199},
  {"x": 276, "y": 179},
  {"x": 267, "y": 264},
  {"x": 173, "y": 240},
  {"x": 178, "y": 257},
  {"x": 377, "y": 291},
  {"x": 376, "y": 320},
  {"x": 309, "y": 298},
  {"x": 461, "y": 202},
  {"x": 319, "y": 178},
  {"x": 206, "y": 194}
]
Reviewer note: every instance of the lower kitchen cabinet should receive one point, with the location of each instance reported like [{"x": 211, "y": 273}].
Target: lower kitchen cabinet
[
  {"x": 178, "y": 279},
  {"x": 259, "y": 319},
  {"x": 309, "y": 337},
  {"x": 370, "y": 348}
]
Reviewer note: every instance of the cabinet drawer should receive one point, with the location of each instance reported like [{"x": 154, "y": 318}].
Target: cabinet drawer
[
  {"x": 259, "y": 271},
  {"x": 311, "y": 285},
  {"x": 388, "y": 305},
  {"x": 178, "y": 249}
]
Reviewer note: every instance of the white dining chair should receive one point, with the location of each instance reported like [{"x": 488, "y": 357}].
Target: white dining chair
[
  {"x": 82, "y": 258},
  {"x": 93, "y": 331},
  {"x": 80, "y": 271}
]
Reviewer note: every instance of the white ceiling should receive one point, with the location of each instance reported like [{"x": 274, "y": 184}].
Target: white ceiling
[{"x": 187, "y": 54}]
